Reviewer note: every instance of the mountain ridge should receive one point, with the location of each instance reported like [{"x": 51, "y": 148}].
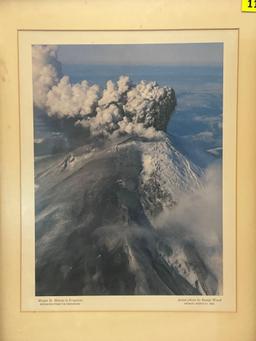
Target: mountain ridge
[{"x": 95, "y": 232}]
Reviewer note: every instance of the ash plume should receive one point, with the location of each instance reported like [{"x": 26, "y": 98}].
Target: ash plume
[{"x": 121, "y": 108}]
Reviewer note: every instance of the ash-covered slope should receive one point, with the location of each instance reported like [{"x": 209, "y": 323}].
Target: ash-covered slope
[{"x": 95, "y": 212}]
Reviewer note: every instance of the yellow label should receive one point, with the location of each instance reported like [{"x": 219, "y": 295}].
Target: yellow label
[{"x": 249, "y": 5}]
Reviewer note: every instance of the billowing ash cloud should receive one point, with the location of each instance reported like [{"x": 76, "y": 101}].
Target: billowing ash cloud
[
  {"x": 46, "y": 72},
  {"x": 131, "y": 109},
  {"x": 67, "y": 100},
  {"x": 121, "y": 108}
]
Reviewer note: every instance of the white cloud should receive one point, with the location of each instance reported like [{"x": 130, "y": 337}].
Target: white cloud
[
  {"x": 198, "y": 218},
  {"x": 206, "y": 136},
  {"x": 207, "y": 119}
]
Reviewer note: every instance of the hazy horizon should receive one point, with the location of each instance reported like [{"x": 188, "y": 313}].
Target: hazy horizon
[{"x": 188, "y": 54}]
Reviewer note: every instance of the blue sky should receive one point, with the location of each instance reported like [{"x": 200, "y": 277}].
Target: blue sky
[{"x": 151, "y": 54}]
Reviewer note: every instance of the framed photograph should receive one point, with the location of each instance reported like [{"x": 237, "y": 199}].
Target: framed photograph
[
  {"x": 125, "y": 141},
  {"x": 127, "y": 170}
]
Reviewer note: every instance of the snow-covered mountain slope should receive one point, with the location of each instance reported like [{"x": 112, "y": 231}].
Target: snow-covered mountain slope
[{"x": 95, "y": 211}]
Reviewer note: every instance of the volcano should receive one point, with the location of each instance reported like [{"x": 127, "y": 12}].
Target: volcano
[
  {"x": 95, "y": 221},
  {"x": 105, "y": 171}
]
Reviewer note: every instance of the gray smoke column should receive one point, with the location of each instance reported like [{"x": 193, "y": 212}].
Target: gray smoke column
[{"x": 121, "y": 108}]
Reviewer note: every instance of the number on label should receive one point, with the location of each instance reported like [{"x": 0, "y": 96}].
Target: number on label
[{"x": 250, "y": 3}]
